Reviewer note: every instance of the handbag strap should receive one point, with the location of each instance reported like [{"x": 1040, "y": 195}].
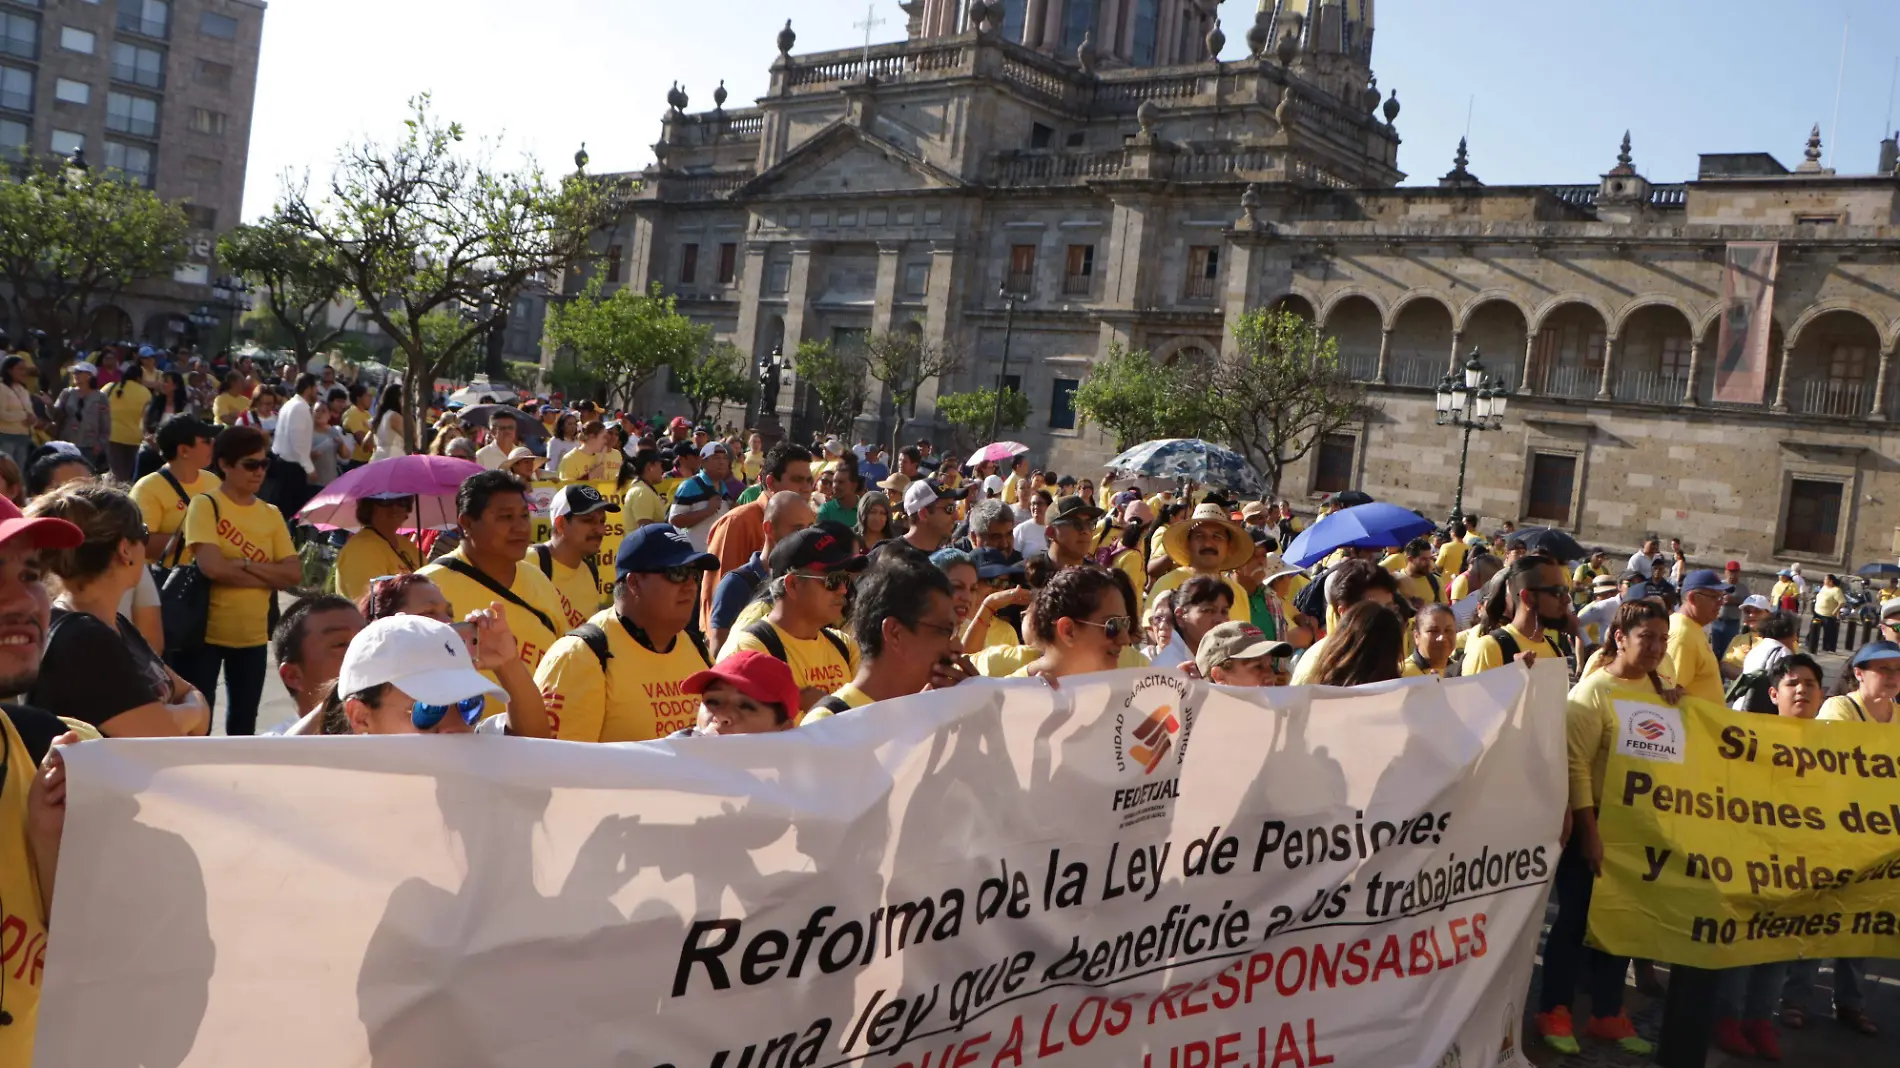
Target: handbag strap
[{"x": 468, "y": 570}]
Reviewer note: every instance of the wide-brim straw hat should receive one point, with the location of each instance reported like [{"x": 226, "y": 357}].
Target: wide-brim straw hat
[{"x": 1239, "y": 544}]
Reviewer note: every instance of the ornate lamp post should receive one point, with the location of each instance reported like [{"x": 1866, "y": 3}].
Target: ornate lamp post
[
  {"x": 233, "y": 294},
  {"x": 1474, "y": 401},
  {"x": 202, "y": 319},
  {"x": 1002, "y": 373}
]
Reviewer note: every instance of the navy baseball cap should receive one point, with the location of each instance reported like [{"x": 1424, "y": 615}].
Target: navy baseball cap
[
  {"x": 995, "y": 563},
  {"x": 1705, "y": 579},
  {"x": 824, "y": 548},
  {"x": 1875, "y": 651},
  {"x": 657, "y": 547},
  {"x": 1639, "y": 591}
]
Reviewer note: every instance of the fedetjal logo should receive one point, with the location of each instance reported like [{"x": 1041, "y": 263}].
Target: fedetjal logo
[
  {"x": 1650, "y": 732},
  {"x": 1154, "y": 736},
  {"x": 1150, "y": 734}
]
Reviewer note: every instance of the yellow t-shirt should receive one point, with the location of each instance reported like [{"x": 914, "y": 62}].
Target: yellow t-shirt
[
  {"x": 23, "y": 921},
  {"x": 163, "y": 509},
  {"x": 226, "y": 407},
  {"x": 1460, "y": 587},
  {"x": 1691, "y": 661},
  {"x": 240, "y": 615},
  {"x": 1306, "y": 669},
  {"x": 580, "y": 594},
  {"x": 750, "y": 465},
  {"x": 815, "y": 662},
  {"x": 1451, "y": 557},
  {"x": 999, "y": 632},
  {"x": 1409, "y": 668},
  {"x": 579, "y": 465},
  {"x": 1004, "y": 661},
  {"x": 1131, "y": 564},
  {"x": 128, "y": 402},
  {"x": 635, "y": 699},
  {"x": 848, "y": 693},
  {"x": 1482, "y": 652},
  {"x": 1846, "y": 708},
  {"x": 642, "y": 504},
  {"x": 530, "y": 585},
  {"x": 1828, "y": 601},
  {"x": 1181, "y": 574},
  {"x": 1393, "y": 562},
  {"x": 1590, "y": 728},
  {"x": 367, "y": 556},
  {"x": 1012, "y": 488},
  {"x": 1427, "y": 589},
  {"x": 356, "y": 424}
]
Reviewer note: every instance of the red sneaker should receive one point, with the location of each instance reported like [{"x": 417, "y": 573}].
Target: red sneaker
[
  {"x": 1761, "y": 1034},
  {"x": 1554, "y": 1028},
  {"x": 1732, "y": 1038},
  {"x": 1619, "y": 1030}
]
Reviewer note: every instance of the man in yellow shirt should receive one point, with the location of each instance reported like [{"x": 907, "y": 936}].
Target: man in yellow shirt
[
  {"x": 811, "y": 574},
  {"x": 1690, "y": 659},
  {"x": 1451, "y": 555},
  {"x": 356, "y": 423},
  {"x": 1417, "y": 582},
  {"x": 126, "y": 399},
  {"x": 496, "y": 523},
  {"x": 906, "y": 627},
  {"x": 622, "y": 676},
  {"x": 592, "y": 459},
  {"x": 163, "y": 496},
  {"x": 1018, "y": 478},
  {"x": 579, "y": 517},
  {"x": 1539, "y": 622},
  {"x": 1207, "y": 544},
  {"x": 644, "y": 502}
]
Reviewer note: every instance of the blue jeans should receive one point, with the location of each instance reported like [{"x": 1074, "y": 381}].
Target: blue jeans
[
  {"x": 1722, "y": 633},
  {"x": 1751, "y": 993},
  {"x": 17, "y": 446},
  {"x": 1847, "y": 983},
  {"x": 244, "y": 671}
]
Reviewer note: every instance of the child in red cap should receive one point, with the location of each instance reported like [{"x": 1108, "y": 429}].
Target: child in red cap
[{"x": 746, "y": 693}]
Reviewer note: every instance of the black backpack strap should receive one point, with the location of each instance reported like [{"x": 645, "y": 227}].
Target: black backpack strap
[
  {"x": 178, "y": 536},
  {"x": 832, "y": 703},
  {"x": 546, "y": 555},
  {"x": 593, "y": 568},
  {"x": 1432, "y": 578},
  {"x": 595, "y": 639},
  {"x": 844, "y": 651},
  {"x": 767, "y": 635},
  {"x": 699, "y": 643},
  {"x": 468, "y": 570},
  {"x": 1507, "y": 645}
]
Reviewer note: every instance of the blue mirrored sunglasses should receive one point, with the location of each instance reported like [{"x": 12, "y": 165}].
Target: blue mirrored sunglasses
[{"x": 425, "y": 717}]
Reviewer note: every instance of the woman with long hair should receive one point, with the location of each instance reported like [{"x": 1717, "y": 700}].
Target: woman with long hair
[
  {"x": 874, "y": 520},
  {"x": 97, "y": 667},
  {"x": 1366, "y": 647},
  {"x": 564, "y": 439},
  {"x": 16, "y": 409},
  {"x": 232, "y": 401},
  {"x": 389, "y": 425},
  {"x": 169, "y": 397},
  {"x": 1082, "y": 620}
]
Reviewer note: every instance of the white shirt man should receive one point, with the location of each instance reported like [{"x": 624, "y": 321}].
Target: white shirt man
[{"x": 296, "y": 426}]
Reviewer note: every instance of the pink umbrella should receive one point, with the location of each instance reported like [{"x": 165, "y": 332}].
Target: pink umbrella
[
  {"x": 431, "y": 480},
  {"x": 996, "y": 452}
]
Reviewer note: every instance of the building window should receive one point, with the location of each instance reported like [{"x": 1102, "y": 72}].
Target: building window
[
  {"x": 151, "y": 18},
  {"x": 1147, "y": 21},
  {"x": 140, "y": 66},
  {"x": 1081, "y": 270},
  {"x": 215, "y": 75},
  {"x": 1553, "y": 478},
  {"x": 199, "y": 217},
  {"x": 16, "y": 89},
  {"x": 204, "y": 169},
  {"x": 1847, "y": 363},
  {"x": 212, "y": 24},
  {"x": 1040, "y": 135},
  {"x": 206, "y": 121},
  {"x": 778, "y": 278},
  {"x": 1013, "y": 11},
  {"x": 68, "y": 91},
  {"x": 1812, "y": 524},
  {"x": 614, "y": 253},
  {"x": 728, "y": 262},
  {"x": 1078, "y": 18},
  {"x": 689, "y": 264},
  {"x": 1203, "y": 270},
  {"x": 66, "y": 142},
  {"x": 1013, "y": 383},
  {"x": 1022, "y": 269},
  {"x": 76, "y": 40},
  {"x": 916, "y": 279},
  {"x": 1062, "y": 404},
  {"x": 1332, "y": 463},
  {"x": 133, "y": 161},
  {"x": 1675, "y": 358},
  {"x": 136, "y": 115},
  {"x": 19, "y": 35},
  {"x": 13, "y": 137}
]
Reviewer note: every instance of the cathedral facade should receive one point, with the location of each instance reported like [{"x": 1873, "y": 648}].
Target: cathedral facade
[{"x": 1031, "y": 182}]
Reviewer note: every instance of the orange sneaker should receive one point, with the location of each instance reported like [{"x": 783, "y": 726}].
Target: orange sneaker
[
  {"x": 1619, "y": 1030},
  {"x": 1761, "y": 1034},
  {"x": 1554, "y": 1027},
  {"x": 1731, "y": 1038}
]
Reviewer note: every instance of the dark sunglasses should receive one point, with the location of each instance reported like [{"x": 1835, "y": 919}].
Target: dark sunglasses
[
  {"x": 834, "y": 581},
  {"x": 678, "y": 575},
  {"x": 253, "y": 465},
  {"x": 1116, "y": 627},
  {"x": 425, "y": 717}
]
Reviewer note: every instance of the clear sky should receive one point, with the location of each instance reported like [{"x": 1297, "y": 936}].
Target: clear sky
[{"x": 1552, "y": 86}]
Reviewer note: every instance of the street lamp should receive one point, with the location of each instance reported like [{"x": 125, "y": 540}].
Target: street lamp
[
  {"x": 202, "y": 319},
  {"x": 1473, "y": 401},
  {"x": 233, "y": 294},
  {"x": 1009, "y": 325}
]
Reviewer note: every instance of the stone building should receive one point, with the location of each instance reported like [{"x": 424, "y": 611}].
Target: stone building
[{"x": 1004, "y": 193}]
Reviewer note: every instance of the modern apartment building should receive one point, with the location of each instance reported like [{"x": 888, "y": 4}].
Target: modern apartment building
[{"x": 160, "y": 90}]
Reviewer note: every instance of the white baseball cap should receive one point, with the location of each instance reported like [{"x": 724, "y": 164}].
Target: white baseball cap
[
  {"x": 922, "y": 493},
  {"x": 420, "y": 656},
  {"x": 1758, "y": 601}
]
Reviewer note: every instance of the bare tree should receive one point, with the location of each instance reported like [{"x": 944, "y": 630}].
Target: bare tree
[{"x": 903, "y": 362}]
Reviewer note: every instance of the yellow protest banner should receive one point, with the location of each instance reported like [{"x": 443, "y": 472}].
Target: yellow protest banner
[
  {"x": 543, "y": 494},
  {"x": 1733, "y": 839}
]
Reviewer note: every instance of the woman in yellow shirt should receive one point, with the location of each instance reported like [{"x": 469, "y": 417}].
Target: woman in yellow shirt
[
  {"x": 1824, "y": 632},
  {"x": 242, "y": 545},
  {"x": 379, "y": 548},
  {"x": 230, "y": 401},
  {"x": 1874, "y": 674},
  {"x": 1082, "y": 621}
]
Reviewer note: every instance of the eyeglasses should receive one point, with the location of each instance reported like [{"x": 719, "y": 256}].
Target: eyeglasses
[
  {"x": 1115, "y": 627},
  {"x": 835, "y": 581},
  {"x": 678, "y": 575},
  {"x": 425, "y": 717},
  {"x": 253, "y": 465},
  {"x": 940, "y": 629}
]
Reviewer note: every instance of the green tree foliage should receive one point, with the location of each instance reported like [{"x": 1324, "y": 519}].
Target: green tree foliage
[
  {"x": 621, "y": 341},
  {"x": 71, "y": 241},
  {"x": 903, "y": 362},
  {"x": 298, "y": 283},
  {"x": 719, "y": 375},
  {"x": 440, "y": 331},
  {"x": 418, "y": 227},
  {"x": 1280, "y": 391},
  {"x": 835, "y": 378},
  {"x": 1137, "y": 399},
  {"x": 969, "y": 415}
]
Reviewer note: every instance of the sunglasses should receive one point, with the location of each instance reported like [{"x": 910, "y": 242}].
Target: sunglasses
[
  {"x": 678, "y": 575},
  {"x": 835, "y": 581},
  {"x": 425, "y": 717},
  {"x": 1115, "y": 627},
  {"x": 253, "y": 465}
]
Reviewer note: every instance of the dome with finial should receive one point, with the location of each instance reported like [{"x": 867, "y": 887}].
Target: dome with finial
[
  {"x": 1392, "y": 108},
  {"x": 1811, "y": 163},
  {"x": 1147, "y": 114},
  {"x": 1216, "y": 40},
  {"x": 786, "y": 39},
  {"x": 1288, "y": 44},
  {"x": 580, "y": 158},
  {"x": 1369, "y": 99},
  {"x": 676, "y": 99},
  {"x": 1460, "y": 169},
  {"x": 1625, "y": 162},
  {"x": 719, "y": 94},
  {"x": 1257, "y": 35}
]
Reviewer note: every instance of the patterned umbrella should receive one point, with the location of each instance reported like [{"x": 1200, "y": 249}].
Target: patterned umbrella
[
  {"x": 1195, "y": 460},
  {"x": 432, "y": 480},
  {"x": 996, "y": 452}
]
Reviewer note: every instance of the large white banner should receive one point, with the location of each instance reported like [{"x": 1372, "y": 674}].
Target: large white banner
[{"x": 1132, "y": 869}]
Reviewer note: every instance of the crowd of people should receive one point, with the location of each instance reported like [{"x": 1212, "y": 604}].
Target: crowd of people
[{"x": 763, "y": 586}]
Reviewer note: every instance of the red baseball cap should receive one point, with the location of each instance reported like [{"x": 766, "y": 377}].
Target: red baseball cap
[
  {"x": 1733, "y": 565},
  {"x": 760, "y": 676},
  {"x": 679, "y": 421},
  {"x": 46, "y": 532}
]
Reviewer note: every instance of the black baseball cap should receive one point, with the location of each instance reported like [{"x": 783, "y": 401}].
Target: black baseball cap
[
  {"x": 995, "y": 563},
  {"x": 579, "y": 499},
  {"x": 824, "y": 548}
]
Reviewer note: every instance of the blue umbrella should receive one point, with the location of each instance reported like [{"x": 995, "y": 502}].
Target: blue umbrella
[
  {"x": 1365, "y": 526},
  {"x": 1879, "y": 569},
  {"x": 1199, "y": 461}
]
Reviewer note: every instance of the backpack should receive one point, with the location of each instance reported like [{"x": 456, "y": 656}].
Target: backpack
[
  {"x": 1507, "y": 649},
  {"x": 596, "y": 641},
  {"x": 1311, "y": 600},
  {"x": 1750, "y": 689},
  {"x": 832, "y": 703},
  {"x": 767, "y": 635},
  {"x": 545, "y": 554}
]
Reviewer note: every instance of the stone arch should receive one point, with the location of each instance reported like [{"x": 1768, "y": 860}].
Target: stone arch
[
  {"x": 1470, "y": 308},
  {"x": 1412, "y": 296},
  {"x": 1654, "y": 349},
  {"x": 1651, "y": 300},
  {"x": 1823, "y": 308},
  {"x": 1171, "y": 350},
  {"x": 1341, "y": 295},
  {"x": 1544, "y": 310},
  {"x": 1421, "y": 340},
  {"x": 111, "y": 323},
  {"x": 1296, "y": 302},
  {"x": 1358, "y": 324},
  {"x": 1834, "y": 355},
  {"x": 1496, "y": 326},
  {"x": 1566, "y": 353}
]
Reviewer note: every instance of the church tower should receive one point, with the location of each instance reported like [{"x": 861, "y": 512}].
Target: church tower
[{"x": 1119, "y": 33}]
